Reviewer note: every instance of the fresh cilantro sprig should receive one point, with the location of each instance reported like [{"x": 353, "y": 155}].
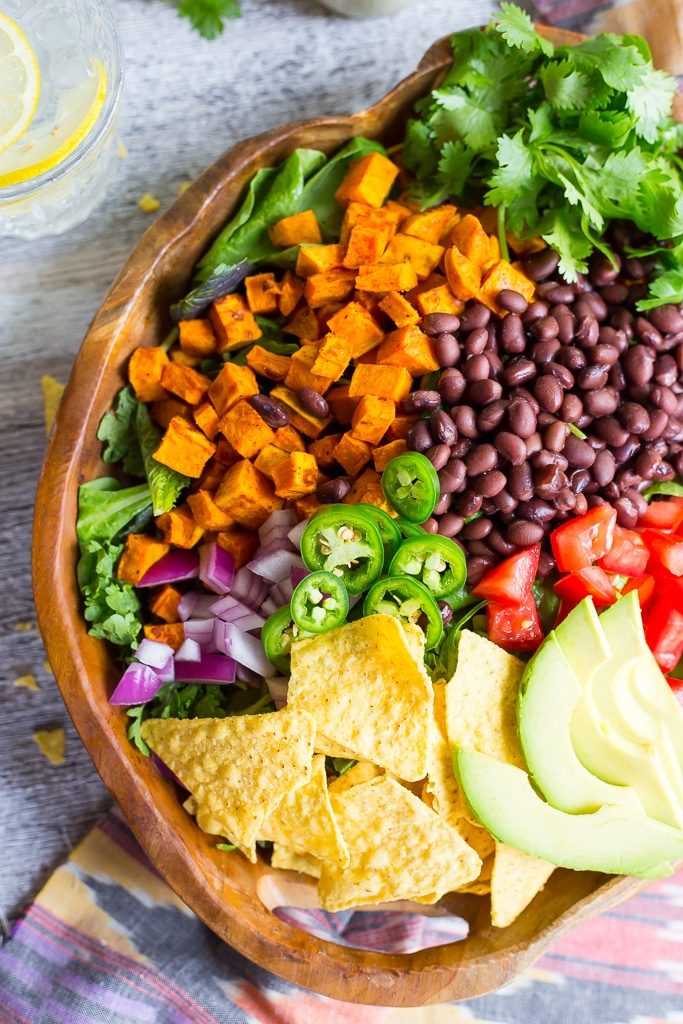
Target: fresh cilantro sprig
[
  {"x": 563, "y": 140},
  {"x": 208, "y": 16}
]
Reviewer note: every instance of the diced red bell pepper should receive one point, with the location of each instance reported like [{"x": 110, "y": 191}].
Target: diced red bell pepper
[
  {"x": 644, "y": 585},
  {"x": 664, "y": 632},
  {"x": 514, "y": 627},
  {"x": 510, "y": 582},
  {"x": 592, "y": 582},
  {"x": 628, "y": 555},
  {"x": 664, "y": 515},
  {"x": 583, "y": 540},
  {"x": 666, "y": 549}
]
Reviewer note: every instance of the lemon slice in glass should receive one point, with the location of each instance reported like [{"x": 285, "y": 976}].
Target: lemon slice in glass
[
  {"x": 46, "y": 146},
  {"x": 19, "y": 82}
]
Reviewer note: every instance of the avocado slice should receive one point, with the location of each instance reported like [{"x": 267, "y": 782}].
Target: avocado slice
[
  {"x": 549, "y": 692},
  {"x": 611, "y": 840},
  {"x": 581, "y": 638}
]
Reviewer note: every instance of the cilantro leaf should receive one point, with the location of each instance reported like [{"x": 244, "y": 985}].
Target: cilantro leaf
[
  {"x": 112, "y": 607},
  {"x": 650, "y": 102},
  {"x": 620, "y": 65},
  {"x": 563, "y": 232},
  {"x": 462, "y": 117},
  {"x": 137, "y": 716},
  {"x": 455, "y": 165},
  {"x": 517, "y": 28},
  {"x": 514, "y": 173},
  {"x": 565, "y": 87},
  {"x": 117, "y": 431},
  {"x": 666, "y": 287},
  {"x": 206, "y": 16}
]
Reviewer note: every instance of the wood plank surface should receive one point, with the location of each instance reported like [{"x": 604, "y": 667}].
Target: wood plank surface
[{"x": 185, "y": 101}]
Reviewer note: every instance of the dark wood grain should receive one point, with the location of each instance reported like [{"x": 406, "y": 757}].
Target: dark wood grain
[{"x": 223, "y": 889}]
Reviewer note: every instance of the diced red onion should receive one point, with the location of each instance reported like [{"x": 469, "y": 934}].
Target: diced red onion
[
  {"x": 201, "y": 630},
  {"x": 275, "y": 565},
  {"x": 277, "y": 542},
  {"x": 175, "y": 566},
  {"x": 248, "y": 588},
  {"x": 216, "y": 567},
  {"x": 153, "y": 653},
  {"x": 281, "y": 519},
  {"x": 167, "y": 671},
  {"x": 211, "y": 668},
  {"x": 278, "y": 690},
  {"x": 231, "y": 610},
  {"x": 138, "y": 684},
  {"x": 200, "y": 608},
  {"x": 245, "y": 675},
  {"x": 268, "y": 607},
  {"x": 281, "y": 592},
  {"x": 187, "y": 604},
  {"x": 245, "y": 649},
  {"x": 165, "y": 771},
  {"x": 296, "y": 533},
  {"x": 297, "y": 574},
  {"x": 189, "y": 650}
]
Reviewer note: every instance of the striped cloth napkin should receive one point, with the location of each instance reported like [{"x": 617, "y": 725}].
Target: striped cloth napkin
[{"x": 107, "y": 942}]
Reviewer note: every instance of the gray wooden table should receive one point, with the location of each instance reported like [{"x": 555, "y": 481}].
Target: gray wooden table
[{"x": 185, "y": 101}]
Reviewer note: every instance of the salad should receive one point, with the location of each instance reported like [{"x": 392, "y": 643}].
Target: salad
[{"x": 393, "y": 552}]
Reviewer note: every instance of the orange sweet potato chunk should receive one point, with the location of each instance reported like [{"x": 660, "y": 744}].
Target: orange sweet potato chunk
[
  {"x": 247, "y": 495},
  {"x": 295, "y": 230},
  {"x": 307, "y": 506},
  {"x": 206, "y": 418},
  {"x": 289, "y": 439},
  {"x": 163, "y": 412},
  {"x": 422, "y": 256},
  {"x": 291, "y": 290},
  {"x": 409, "y": 347},
  {"x": 438, "y": 300},
  {"x": 233, "y": 323},
  {"x": 316, "y": 259},
  {"x": 365, "y": 245},
  {"x": 295, "y": 476},
  {"x": 262, "y": 293},
  {"x": 145, "y": 370},
  {"x": 333, "y": 355},
  {"x": 206, "y": 512},
  {"x": 471, "y": 240},
  {"x": 179, "y": 528},
  {"x": 300, "y": 373},
  {"x": 383, "y": 456},
  {"x": 172, "y": 633},
  {"x": 372, "y": 418},
  {"x": 196, "y": 338},
  {"x": 428, "y": 226},
  {"x": 401, "y": 427},
  {"x": 392, "y": 382},
  {"x": 165, "y": 603},
  {"x": 464, "y": 276},
  {"x": 386, "y": 277},
  {"x": 323, "y": 449},
  {"x": 268, "y": 364},
  {"x": 358, "y": 327},
  {"x": 299, "y": 417},
  {"x": 232, "y": 384},
  {"x": 368, "y": 180},
  {"x": 330, "y": 286},
  {"x": 140, "y": 554},
  {"x": 184, "y": 448},
  {"x": 504, "y": 275},
  {"x": 352, "y": 454},
  {"x": 341, "y": 405},
  {"x": 242, "y": 544},
  {"x": 398, "y": 309},
  {"x": 268, "y": 458},
  {"x": 185, "y": 382},
  {"x": 368, "y": 490},
  {"x": 304, "y": 325},
  {"x": 245, "y": 429}
]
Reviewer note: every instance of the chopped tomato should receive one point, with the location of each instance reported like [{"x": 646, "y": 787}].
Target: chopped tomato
[
  {"x": 666, "y": 549},
  {"x": 592, "y": 582},
  {"x": 583, "y": 540},
  {"x": 644, "y": 585},
  {"x": 664, "y": 632},
  {"x": 664, "y": 515},
  {"x": 514, "y": 627},
  {"x": 510, "y": 582},
  {"x": 628, "y": 554}
]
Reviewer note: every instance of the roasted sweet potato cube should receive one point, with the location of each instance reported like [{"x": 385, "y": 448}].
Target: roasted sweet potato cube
[
  {"x": 206, "y": 418},
  {"x": 245, "y": 429},
  {"x": 303, "y": 325},
  {"x": 504, "y": 275},
  {"x": 179, "y": 527},
  {"x": 268, "y": 364},
  {"x": 401, "y": 427},
  {"x": 332, "y": 357},
  {"x": 268, "y": 458},
  {"x": 438, "y": 300},
  {"x": 399, "y": 211},
  {"x": 295, "y": 476},
  {"x": 163, "y": 412},
  {"x": 524, "y": 246},
  {"x": 262, "y": 293},
  {"x": 247, "y": 495},
  {"x": 185, "y": 383},
  {"x": 196, "y": 338},
  {"x": 291, "y": 290},
  {"x": 325, "y": 314},
  {"x": 463, "y": 275},
  {"x": 323, "y": 449},
  {"x": 392, "y": 382},
  {"x": 172, "y": 633},
  {"x": 165, "y": 603},
  {"x": 211, "y": 477},
  {"x": 341, "y": 405},
  {"x": 372, "y": 418},
  {"x": 297, "y": 229},
  {"x": 494, "y": 249},
  {"x": 177, "y": 355},
  {"x": 300, "y": 373},
  {"x": 365, "y": 245},
  {"x": 430, "y": 225},
  {"x": 145, "y": 369},
  {"x": 367, "y": 489},
  {"x": 398, "y": 309},
  {"x": 368, "y": 180},
  {"x": 386, "y": 277},
  {"x": 367, "y": 357},
  {"x": 206, "y": 512},
  {"x": 352, "y": 454},
  {"x": 369, "y": 217},
  {"x": 231, "y": 385},
  {"x": 358, "y": 327},
  {"x": 383, "y": 456},
  {"x": 316, "y": 259},
  {"x": 225, "y": 454},
  {"x": 140, "y": 554},
  {"x": 331, "y": 286},
  {"x": 299, "y": 418},
  {"x": 307, "y": 506},
  {"x": 242, "y": 544},
  {"x": 233, "y": 323},
  {"x": 184, "y": 448},
  {"x": 422, "y": 256},
  {"x": 289, "y": 439},
  {"x": 409, "y": 347},
  {"x": 471, "y": 239}
]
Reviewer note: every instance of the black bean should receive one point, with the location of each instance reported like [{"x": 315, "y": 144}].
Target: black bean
[
  {"x": 511, "y": 447},
  {"x": 659, "y": 421},
  {"x": 476, "y": 368},
  {"x": 478, "y": 529},
  {"x": 500, "y": 544},
  {"x": 475, "y": 314},
  {"x": 623, "y": 319},
  {"x": 627, "y": 516},
  {"x": 443, "y": 504},
  {"x": 512, "y": 300},
  {"x": 461, "y": 447},
  {"x": 535, "y": 311},
  {"x": 469, "y": 503},
  {"x": 451, "y": 476},
  {"x": 634, "y": 417},
  {"x": 549, "y": 481},
  {"x": 647, "y": 464},
  {"x": 421, "y": 401},
  {"x": 548, "y": 393},
  {"x": 647, "y": 332},
  {"x": 638, "y": 500},
  {"x": 579, "y": 480},
  {"x": 482, "y": 392},
  {"x": 527, "y": 396},
  {"x": 544, "y": 351},
  {"x": 520, "y": 481},
  {"x": 557, "y": 293},
  {"x": 571, "y": 408},
  {"x": 536, "y": 511},
  {"x": 442, "y": 427},
  {"x": 465, "y": 420},
  {"x": 524, "y": 534},
  {"x": 666, "y": 371},
  {"x": 519, "y": 371},
  {"x": 604, "y": 467},
  {"x": 610, "y": 336},
  {"x": 667, "y": 319},
  {"x": 602, "y": 270},
  {"x": 546, "y": 564},
  {"x": 607, "y": 354},
  {"x": 495, "y": 364},
  {"x": 333, "y": 491},
  {"x": 545, "y": 328},
  {"x": 587, "y": 331},
  {"x": 623, "y": 452},
  {"x": 534, "y": 443},
  {"x": 490, "y": 483},
  {"x": 439, "y": 455},
  {"x": 476, "y": 341},
  {"x": 638, "y": 364},
  {"x": 572, "y": 357},
  {"x": 548, "y": 458},
  {"x": 431, "y": 526},
  {"x": 447, "y": 350},
  {"x": 270, "y": 410},
  {"x": 578, "y": 452},
  {"x": 615, "y": 294},
  {"x": 434, "y": 324},
  {"x": 592, "y": 302},
  {"x": 601, "y": 402},
  {"x": 610, "y": 430},
  {"x": 565, "y": 500},
  {"x": 592, "y": 377},
  {"x": 566, "y": 322},
  {"x": 555, "y": 435},
  {"x": 521, "y": 417},
  {"x": 504, "y": 502},
  {"x": 313, "y": 403},
  {"x": 664, "y": 398},
  {"x": 419, "y": 438},
  {"x": 480, "y": 459},
  {"x": 477, "y": 567},
  {"x": 451, "y": 386},
  {"x": 450, "y": 524},
  {"x": 491, "y": 416},
  {"x": 544, "y": 419},
  {"x": 541, "y": 264},
  {"x": 511, "y": 334}
]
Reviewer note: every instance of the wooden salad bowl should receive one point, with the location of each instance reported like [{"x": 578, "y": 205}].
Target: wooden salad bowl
[{"x": 234, "y": 898}]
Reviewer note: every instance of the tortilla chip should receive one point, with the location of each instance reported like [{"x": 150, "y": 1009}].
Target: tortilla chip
[
  {"x": 441, "y": 785},
  {"x": 358, "y": 773},
  {"x": 479, "y": 838},
  {"x": 304, "y": 820},
  {"x": 51, "y": 744},
  {"x": 324, "y": 745},
  {"x": 515, "y": 880},
  {"x": 52, "y": 396},
  {"x": 238, "y": 769},
  {"x": 289, "y": 861},
  {"x": 399, "y": 849},
  {"x": 28, "y": 682},
  {"x": 481, "y": 700},
  {"x": 367, "y": 693}
]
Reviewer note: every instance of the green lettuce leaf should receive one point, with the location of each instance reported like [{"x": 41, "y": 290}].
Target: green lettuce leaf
[
  {"x": 165, "y": 485},
  {"x": 105, "y": 508},
  {"x": 118, "y": 434}
]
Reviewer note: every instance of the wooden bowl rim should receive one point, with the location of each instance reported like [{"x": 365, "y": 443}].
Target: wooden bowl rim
[{"x": 431, "y": 975}]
